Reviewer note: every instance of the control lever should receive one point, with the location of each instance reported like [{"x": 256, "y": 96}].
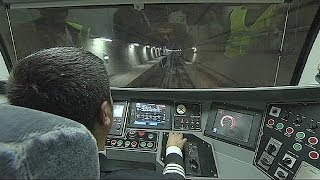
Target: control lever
[
  {"x": 272, "y": 148},
  {"x": 194, "y": 164},
  {"x": 281, "y": 174}
]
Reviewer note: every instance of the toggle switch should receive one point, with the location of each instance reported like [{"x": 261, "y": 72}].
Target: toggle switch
[{"x": 272, "y": 148}]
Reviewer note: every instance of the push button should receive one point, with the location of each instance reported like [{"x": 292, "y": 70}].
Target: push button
[
  {"x": 119, "y": 143},
  {"x": 134, "y": 144},
  {"x": 313, "y": 155},
  {"x": 113, "y": 142},
  {"x": 150, "y": 136},
  {"x": 313, "y": 140},
  {"x": 150, "y": 144},
  {"x": 297, "y": 146},
  {"x": 300, "y": 135},
  {"x": 132, "y": 133},
  {"x": 289, "y": 130},
  {"x": 141, "y": 133},
  {"x": 143, "y": 144},
  {"x": 271, "y": 122},
  {"x": 280, "y": 126},
  {"x": 127, "y": 144}
]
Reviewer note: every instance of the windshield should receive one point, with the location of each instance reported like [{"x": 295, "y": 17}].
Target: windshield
[{"x": 175, "y": 45}]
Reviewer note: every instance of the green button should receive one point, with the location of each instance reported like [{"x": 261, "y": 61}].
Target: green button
[
  {"x": 297, "y": 146},
  {"x": 280, "y": 126},
  {"x": 300, "y": 135}
]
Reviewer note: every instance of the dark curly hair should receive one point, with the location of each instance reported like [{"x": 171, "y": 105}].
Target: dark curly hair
[{"x": 66, "y": 81}]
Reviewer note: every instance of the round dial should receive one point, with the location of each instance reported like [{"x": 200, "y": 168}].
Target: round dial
[
  {"x": 228, "y": 122},
  {"x": 181, "y": 109}
]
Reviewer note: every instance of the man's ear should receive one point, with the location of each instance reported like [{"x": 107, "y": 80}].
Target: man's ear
[{"x": 105, "y": 117}]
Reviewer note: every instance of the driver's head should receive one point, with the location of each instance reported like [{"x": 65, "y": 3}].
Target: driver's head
[{"x": 66, "y": 81}]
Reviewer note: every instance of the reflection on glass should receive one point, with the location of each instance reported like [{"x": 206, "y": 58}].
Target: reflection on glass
[{"x": 176, "y": 45}]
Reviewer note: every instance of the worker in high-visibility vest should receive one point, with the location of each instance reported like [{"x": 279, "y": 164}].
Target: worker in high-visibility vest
[
  {"x": 241, "y": 36},
  {"x": 51, "y": 29}
]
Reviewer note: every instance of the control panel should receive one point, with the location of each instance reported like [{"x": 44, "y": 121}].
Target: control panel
[
  {"x": 139, "y": 140},
  {"x": 289, "y": 144},
  {"x": 233, "y": 124},
  {"x": 187, "y": 116},
  {"x": 199, "y": 159},
  {"x": 119, "y": 121}
]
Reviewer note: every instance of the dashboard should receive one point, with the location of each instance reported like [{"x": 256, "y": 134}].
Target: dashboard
[{"x": 277, "y": 141}]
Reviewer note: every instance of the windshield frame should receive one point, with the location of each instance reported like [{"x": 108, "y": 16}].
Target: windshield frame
[
  {"x": 306, "y": 49},
  {"x": 302, "y": 60}
]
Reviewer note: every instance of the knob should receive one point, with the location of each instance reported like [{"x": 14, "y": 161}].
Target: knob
[
  {"x": 132, "y": 133},
  {"x": 281, "y": 174},
  {"x": 272, "y": 148},
  {"x": 118, "y": 127},
  {"x": 313, "y": 126},
  {"x": 194, "y": 164},
  {"x": 287, "y": 161},
  {"x": 285, "y": 115},
  {"x": 298, "y": 120}
]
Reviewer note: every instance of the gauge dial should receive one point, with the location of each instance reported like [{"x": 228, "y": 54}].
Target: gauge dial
[
  {"x": 228, "y": 122},
  {"x": 181, "y": 109}
]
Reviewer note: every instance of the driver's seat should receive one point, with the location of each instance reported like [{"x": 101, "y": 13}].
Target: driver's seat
[{"x": 38, "y": 145}]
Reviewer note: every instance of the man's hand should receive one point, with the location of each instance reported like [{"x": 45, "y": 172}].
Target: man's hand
[{"x": 176, "y": 139}]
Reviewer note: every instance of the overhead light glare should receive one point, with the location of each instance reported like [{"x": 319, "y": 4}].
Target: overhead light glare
[
  {"x": 194, "y": 49},
  {"x": 104, "y": 39}
]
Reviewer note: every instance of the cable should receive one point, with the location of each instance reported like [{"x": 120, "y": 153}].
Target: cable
[
  {"x": 281, "y": 46},
  {"x": 11, "y": 34}
]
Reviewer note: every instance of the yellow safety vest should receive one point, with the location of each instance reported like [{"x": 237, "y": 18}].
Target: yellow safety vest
[
  {"x": 84, "y": 31},
  {"x": 241, "y": 35}
]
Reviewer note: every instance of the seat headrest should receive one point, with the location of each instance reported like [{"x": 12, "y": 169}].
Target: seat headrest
[{"x": 39, "y": 145}]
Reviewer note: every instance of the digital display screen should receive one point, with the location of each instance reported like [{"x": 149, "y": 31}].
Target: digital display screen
[
  {"x": 148, "y": 114},
  {"x": 118, "y": 110},
  {"x": 233, "y": 124}
]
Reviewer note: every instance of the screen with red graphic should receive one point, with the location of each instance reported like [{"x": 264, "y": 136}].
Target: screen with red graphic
[{"x": 233, "y": 124}]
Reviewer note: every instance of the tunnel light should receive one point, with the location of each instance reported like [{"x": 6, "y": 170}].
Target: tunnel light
[
  {"x": 136, "y": 44},
  {"x": 104, "y": 39},
  {"x": 194, "y": 49},
  {"x": 106, "y": 57}
]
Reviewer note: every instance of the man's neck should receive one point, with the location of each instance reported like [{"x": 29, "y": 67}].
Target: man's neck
[{"x": 101, "y": 140}]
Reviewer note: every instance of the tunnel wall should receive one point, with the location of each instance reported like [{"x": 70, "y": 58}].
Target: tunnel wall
[{"x": 123, "y": 57}]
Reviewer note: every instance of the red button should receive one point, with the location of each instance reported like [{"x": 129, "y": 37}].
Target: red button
[
  {"x": 313, "y": 140},
  {"x": 134, "y": 143},
  {"x": 289, "y": 130},
  {"x": 271, "y": 122},
  {"x": 113, "y": 142},
  {"x": 141, "y": 133},
  {"x": 313, "y": 155}
]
